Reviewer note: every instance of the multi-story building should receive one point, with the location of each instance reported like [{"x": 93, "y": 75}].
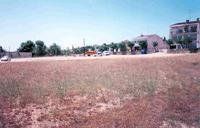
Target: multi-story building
[{"x": 188, "y": 29}]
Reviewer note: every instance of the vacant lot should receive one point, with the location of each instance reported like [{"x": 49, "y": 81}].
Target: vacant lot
[{"x": 111, "y": 92}]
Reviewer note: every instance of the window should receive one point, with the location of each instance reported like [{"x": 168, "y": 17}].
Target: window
[
  {"x": 193, "y": 29},
  {"x": 179, "y": 31},
  {"x": 186, "y": 29}
]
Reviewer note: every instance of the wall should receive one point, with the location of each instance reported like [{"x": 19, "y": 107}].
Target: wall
[
  {"x": 17, "y": 54},
  {"x": 161, "y": 44}
]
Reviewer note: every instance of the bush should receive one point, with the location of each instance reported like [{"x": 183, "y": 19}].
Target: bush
[{"x": 192, "y": 48}]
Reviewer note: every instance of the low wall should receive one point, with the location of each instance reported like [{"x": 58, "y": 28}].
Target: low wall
[
  {"x": 17, "y": 54},
  {"x": 178, "y": 51}
]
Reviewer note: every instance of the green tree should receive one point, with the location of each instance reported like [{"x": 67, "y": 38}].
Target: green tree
[
  {"x": 54, "y": 50},
  {"x": 78, "y": 50},
  {"x": 164, "y": 38},
  {"x": 169, "y": 42},
  {"x": 27, "y": 46},
  {"x": 67, "y": 52},
  {"x": 143, "y": 45},
  {"x": 113, "y": 46},
  {"x": 1, "y": 49},
  {"x": 40, "y": 48},
  {"x": 187, "y": 41},
  {"x": 104, "y": 47},
  {"x": 184, "y": 41},
  {"x": 155, "y": 45},
  {"x": 123, "y": 47},
  {"x": 131, "y": 45},
  {"x": 89, "y": 48}
]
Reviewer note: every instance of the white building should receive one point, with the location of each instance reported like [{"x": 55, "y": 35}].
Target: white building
[
  {"x": 150, "y": 39},
  {"x": 185, "y": 29}
]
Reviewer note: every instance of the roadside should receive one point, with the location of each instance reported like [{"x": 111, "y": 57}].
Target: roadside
[{"x": 154, "y": 55}]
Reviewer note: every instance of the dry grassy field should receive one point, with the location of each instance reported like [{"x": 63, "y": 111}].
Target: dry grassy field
[{"x": 119, "y": 92}]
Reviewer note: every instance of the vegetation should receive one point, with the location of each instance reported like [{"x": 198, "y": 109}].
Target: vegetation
[
  {"x": 155, "y": 45},
  {"x": 169, "y": 42},
  {"x": 131, "y": 45},
  {"x": 143, "y": 45},
  {"x": 27, "y": 46},
  {"x": 103, "y": 47},
  {"x": 123, "y": 93},
  {"x": 40, "y": 48},
  {"x": 185, "y": 41},
  {"x": 1, "y": 49},
  {"x": 54, "y": 50},
  {"x": 122, "y": 47},
  {"x": 113, "y": 46}
]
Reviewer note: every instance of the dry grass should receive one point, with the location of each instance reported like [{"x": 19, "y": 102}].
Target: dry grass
[{"x": 116, "y": 92}]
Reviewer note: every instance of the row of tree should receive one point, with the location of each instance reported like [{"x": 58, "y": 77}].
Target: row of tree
[
  {"x": 184, "y": 41},
  {"x": 38, "y": 48},
  {"x": 114, "y": 47}
]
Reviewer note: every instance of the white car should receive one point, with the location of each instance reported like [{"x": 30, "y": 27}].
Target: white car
[
  {"x": 99, "y": 53},
  {"x": 106, "y": 53},
  {"x": 5, "y": 58}
]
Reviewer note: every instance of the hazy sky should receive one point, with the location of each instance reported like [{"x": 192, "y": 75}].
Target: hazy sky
[{"x": 67, "y": 22}]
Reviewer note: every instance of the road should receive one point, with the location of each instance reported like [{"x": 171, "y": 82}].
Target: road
[{"x": 92, "y": 57}]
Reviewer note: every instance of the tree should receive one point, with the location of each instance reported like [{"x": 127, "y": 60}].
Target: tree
[
  {"x": 67, "y": 51},
  {"x": 89, "y": 48},
  {"x": 103, "y": 47},
  {"x": 155, "y": 44},
  {"x": 164, "y": 38},
  {"x": 40, "y": 48},
  {"x": 113, "y": 46},
  {"x": 27, "y": 46},
  {"x": 122, "y": 47},
  {"x": 131, "y": 45},
  {"x": 143, "y": 45},
  {"x": 54, "y": 50},
  {"x": 78, "y": 50},
  {"x": 180, "y": 40},
  {"x": 187, "y": 41},
  {"x": 1, "y": 49},
  {"x": 169, "y": 42},
  {"x": 184, "y": 41}
]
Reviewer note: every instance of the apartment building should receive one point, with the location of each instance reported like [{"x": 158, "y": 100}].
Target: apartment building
[{"x": 187, "y": 29}]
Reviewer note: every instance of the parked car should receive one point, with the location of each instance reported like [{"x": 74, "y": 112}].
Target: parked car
[
  {"x": 5, "y": 58},
  {"x": 106, "y": 53},
  {"x": 99, "y": 53}
]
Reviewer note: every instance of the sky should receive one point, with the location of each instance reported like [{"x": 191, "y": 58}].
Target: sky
[{"x": 68, "y": 22}]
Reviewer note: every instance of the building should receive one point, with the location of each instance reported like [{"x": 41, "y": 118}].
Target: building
[
  {"x": 187, "y": 29},
  {"x": 150, "y": 39}
]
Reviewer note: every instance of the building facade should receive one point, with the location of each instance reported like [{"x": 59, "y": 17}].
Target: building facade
[
  {"x": 188, "y": 29},
  {"x": 150, "y": 39}
]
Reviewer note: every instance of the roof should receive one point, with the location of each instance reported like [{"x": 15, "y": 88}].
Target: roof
[
  {"x": 182, "y": 23},
  {"x": 144, "y": 37}
]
